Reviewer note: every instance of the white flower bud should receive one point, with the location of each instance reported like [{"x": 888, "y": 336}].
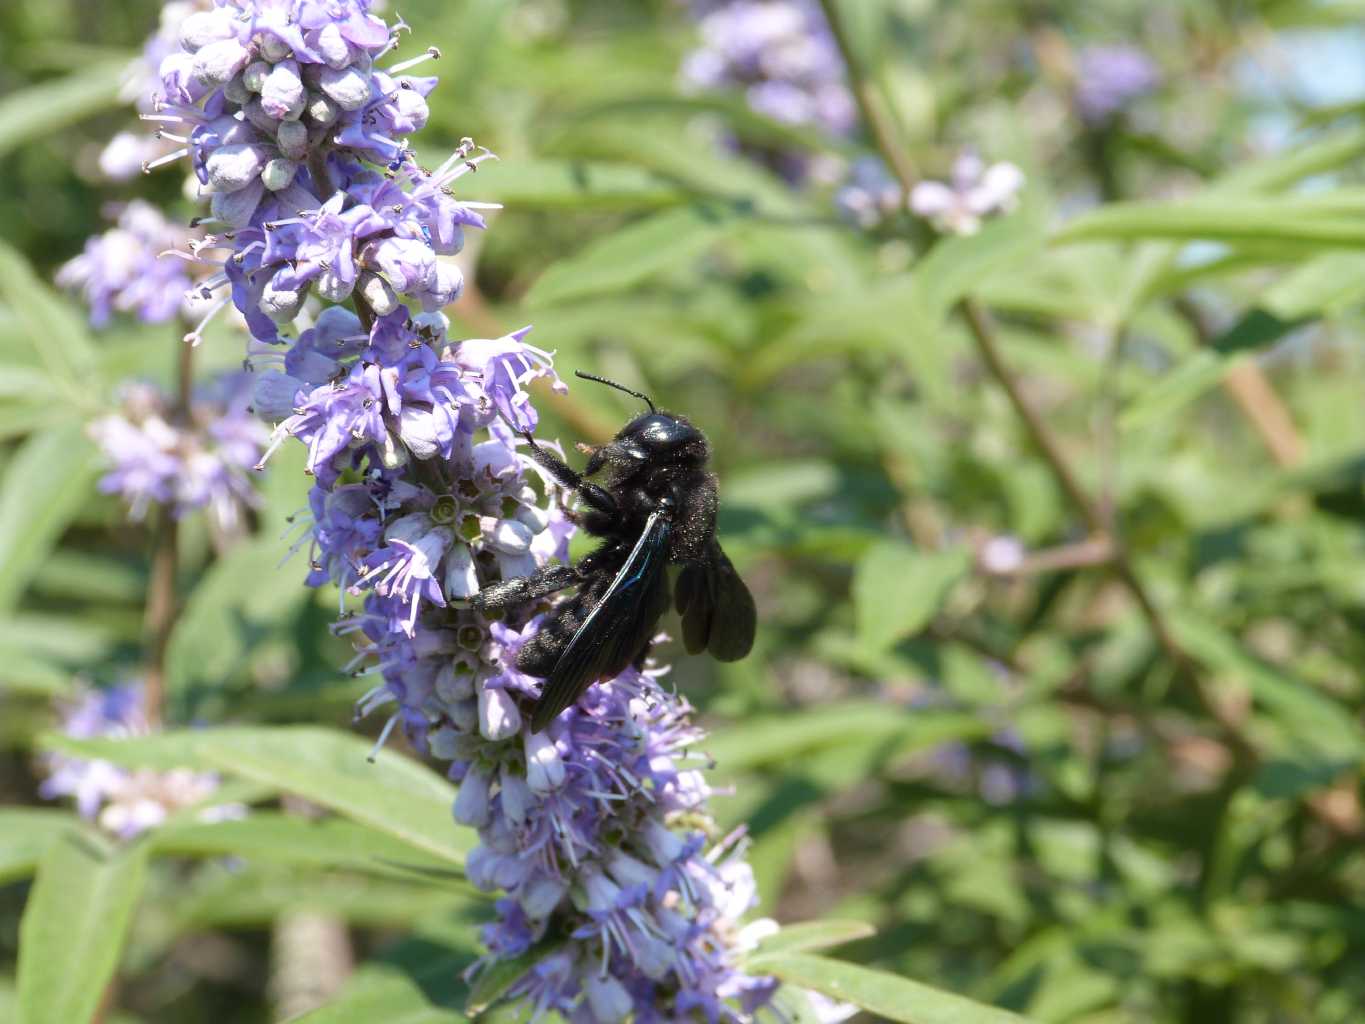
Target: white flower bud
[
  {"x": 215, "y": 63},
  {"x": 236, "y": 208},
  {"x": 236, "y": 91},
  {"x": 258, "y": 118},
  {"x": 348, "y": 87},
  {"x": 202, "y": 28},
  {"x": 417, "y": 428},
  {"x": 541, "y": 896},
  {"x": 461, "y": 578},
  {"x": 278, "y": 173},
  {"x": 465, "y": 715},
  {"x": 452, "y": 684},
  {"x": 610, "y": 1001},
  {"x": 471, "y": 802},
  {"x": 335, "y": 51},
  {"x": 283, "y": 95},
  {"x": 533, "y": 517},
  {"x": 515, "y": 795},
  {"x": 319, "y": 109},
  {"x": 544, "y": 768},
  {"x": 377, "y": 293},
  {"x": 232, "y": 167},
  {"x": 273, "y": 48},
  {"x": 627, "y": 871},
  {"x": 499, "y": 718},
  {"x": 254, "y": 75},
  {"x": 282, "y": 304},
  {"x": 441, "y": 742},
  {"x": 273, "y": 394},
  {"x": 332, "y": 288},
  {"x": 292, "y": 137},
  {"x": 508, "y": 536}
]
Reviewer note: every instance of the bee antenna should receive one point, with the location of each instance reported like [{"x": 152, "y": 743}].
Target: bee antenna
[{"x": 619, "y": 387}]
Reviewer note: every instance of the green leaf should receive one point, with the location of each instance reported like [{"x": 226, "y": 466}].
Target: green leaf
[
  {"x": 213, "y": 633},
  {"x": 1312, "y": 724},
  {"x": 1318, "y": 222},
  {"x": 494, "y": 980},
  {"x": 43, "y": 489},
  {"x": 1325, "y": 284},
  {"x": 59, "y": 337},
  {"x": 74, "y": 927},
  {"x": 897, "y": 999},
  {"x": 629, "y": 256},
  {"x": 777, "y": 739},
  {"x": 26, "y": 833},
  {"x": 898, "y": 589},
  {"x": 289, "y": 839},
  {"x": 1195, "y": 376},
  {"x": 572, "y": 185},
  {"x": 393, "y": 794},
  {"x": 40, "y": 110},
  {"x": 809, "y": 935},
  {"x": 257, "y": 895}
]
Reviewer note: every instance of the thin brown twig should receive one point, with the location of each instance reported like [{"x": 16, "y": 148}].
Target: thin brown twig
[
  {"x": 983, "y": 334},
  {"x": 1253, "y": 394},
  {"x": 860, "y": 84},
  {"x": 162, "y": 604}
]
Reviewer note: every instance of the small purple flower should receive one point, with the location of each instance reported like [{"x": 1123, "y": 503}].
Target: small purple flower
[
  {"x": 123, "y": 802},
  {"x": 200, "y": 459},
  {"x": 127, "y": 269},
  {"x": 974, "y": 193},
  {"x": 1110, "y": 78},
  {"x": 870, "y": 195}
]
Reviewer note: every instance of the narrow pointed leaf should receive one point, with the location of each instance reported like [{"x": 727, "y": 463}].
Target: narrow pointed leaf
[
  {"x": 74, "y": 927},
  {"x": 892, "y": 997}
]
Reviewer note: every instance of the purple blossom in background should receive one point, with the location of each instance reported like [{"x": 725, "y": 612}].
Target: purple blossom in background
[
  {"x": 975, "y": 192},
  {"x": 123, "y": 802},
  {"x": 128, "y": 152},
  {"x": 200, "y": 460},
  {"x": 1110, "y": 78},
  {"x": 125, "y": 270},
  {"x": 595, "y": 830},
  {"x": 870, "y": 194},
  {"x": 783, "y": 57}
]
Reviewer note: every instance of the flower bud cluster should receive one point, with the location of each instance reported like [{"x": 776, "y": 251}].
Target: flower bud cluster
[
  {"x": 783, "y": 57},
  {"x": 973, "y": 193},
  {"x": 124, "y": 802},
  {"x": 596, "y": 828},
  {"x": 188, "y": 459}
]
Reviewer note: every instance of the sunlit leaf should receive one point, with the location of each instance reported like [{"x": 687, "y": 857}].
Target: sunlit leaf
[
  {"x": 892, "y": 997},
  {"x": 74, "y": 927}
]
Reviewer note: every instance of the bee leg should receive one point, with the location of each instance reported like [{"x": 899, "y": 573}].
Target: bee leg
[
  {"x": 596, "y": 498},
  {"x": 507, "y": 593}
]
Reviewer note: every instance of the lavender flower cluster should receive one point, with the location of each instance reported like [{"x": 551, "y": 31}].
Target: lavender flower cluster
[
  {"x": 128, "y": 270},
  {"x": 1109, "y": 79},
  {"x": 783, "y": 57},
  {"x": 596, "y": 828},
  {"x": 199, "y": 457},
  {"x": 123, "y": 802}
]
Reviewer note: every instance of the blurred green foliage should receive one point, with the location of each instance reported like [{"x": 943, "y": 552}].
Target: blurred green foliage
[{"x": 1003, "y": 773}]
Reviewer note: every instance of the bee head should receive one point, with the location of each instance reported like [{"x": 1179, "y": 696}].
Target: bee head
[{"x": 661, "y": 437}]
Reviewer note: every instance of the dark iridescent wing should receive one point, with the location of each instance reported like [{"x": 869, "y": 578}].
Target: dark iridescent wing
[
  {"x": 616, "y": 630},
  {"x": 717, "y": 610}
]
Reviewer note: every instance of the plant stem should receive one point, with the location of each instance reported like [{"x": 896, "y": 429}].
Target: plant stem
[{"x": 860, "y": 83}]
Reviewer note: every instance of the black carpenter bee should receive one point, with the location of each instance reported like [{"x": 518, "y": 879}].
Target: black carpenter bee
[{"x": 658, "y": 507}]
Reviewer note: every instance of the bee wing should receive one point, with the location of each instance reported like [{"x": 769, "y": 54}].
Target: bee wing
[
  {"x": 718, "y": 613},
  {"x": 616, "y": 630}
]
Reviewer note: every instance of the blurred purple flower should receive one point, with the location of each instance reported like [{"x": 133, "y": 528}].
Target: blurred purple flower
[
  {"x": 123, "y": 802},
  {"x": 199, "y": 461},
  {"x": 1110, "y": 78},
  {"x": 126, "y": 269}
]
